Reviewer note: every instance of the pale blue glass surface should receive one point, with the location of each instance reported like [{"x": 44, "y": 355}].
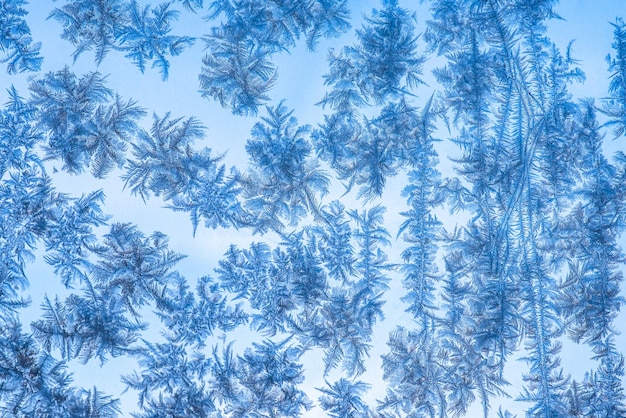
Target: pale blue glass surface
[{"x": 312, "y": 208}]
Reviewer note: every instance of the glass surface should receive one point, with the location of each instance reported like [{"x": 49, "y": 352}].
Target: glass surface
[{"x": 312, "y": 208}]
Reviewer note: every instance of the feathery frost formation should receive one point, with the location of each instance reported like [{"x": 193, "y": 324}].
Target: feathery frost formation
[{"x": 474, "y": 309}]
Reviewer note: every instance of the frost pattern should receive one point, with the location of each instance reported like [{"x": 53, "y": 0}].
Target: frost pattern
[{"x": 509, "y": 255}]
